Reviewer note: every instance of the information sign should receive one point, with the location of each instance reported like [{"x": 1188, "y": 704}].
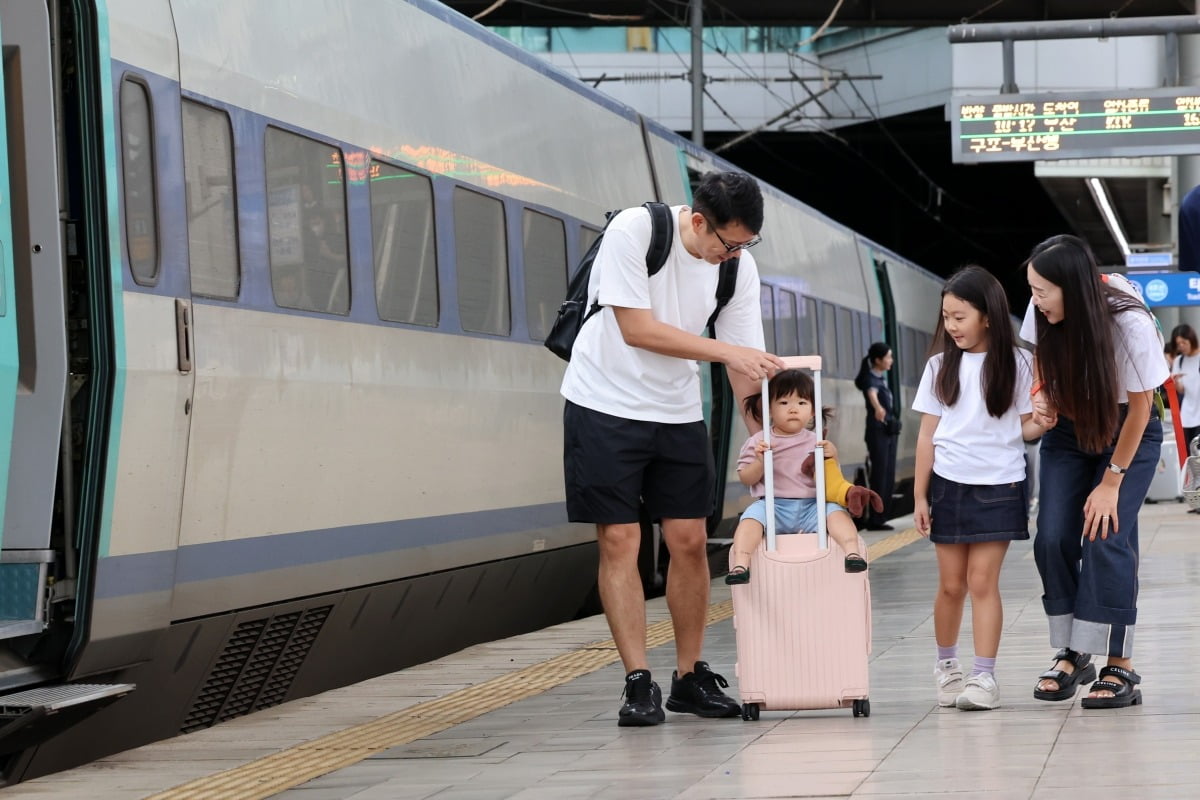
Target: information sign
[
  {"x": 1025, "y": 127},
  {"x": 1168, "y": 288}
]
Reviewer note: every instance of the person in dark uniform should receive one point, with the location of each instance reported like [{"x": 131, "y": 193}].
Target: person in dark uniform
[{"x": 883, "y": 429}]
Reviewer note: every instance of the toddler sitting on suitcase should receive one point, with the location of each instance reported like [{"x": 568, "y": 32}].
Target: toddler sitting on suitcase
[{"x": 792, "y": 445}]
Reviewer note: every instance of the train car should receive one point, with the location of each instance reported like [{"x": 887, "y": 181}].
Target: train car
[{"x": 277, "y": 414}]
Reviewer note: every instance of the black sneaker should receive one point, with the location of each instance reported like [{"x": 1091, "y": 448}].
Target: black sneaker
[
  {"x": 643, "y": 701},
  {"x": 699, "y": 692}
]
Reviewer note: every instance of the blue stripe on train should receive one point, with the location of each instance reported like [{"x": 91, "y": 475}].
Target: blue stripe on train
[{"x": 140, "y": 573}]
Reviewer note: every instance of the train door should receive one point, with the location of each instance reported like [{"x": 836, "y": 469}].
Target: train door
[
  {"x": 33, "y": 349},
  {"x": 891, "y": 330}
]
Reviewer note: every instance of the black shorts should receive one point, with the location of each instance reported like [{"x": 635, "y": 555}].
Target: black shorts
[{"x": 613, "y": 464}]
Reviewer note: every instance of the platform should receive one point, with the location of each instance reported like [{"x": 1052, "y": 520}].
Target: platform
[{"x": 534, "y": 717}]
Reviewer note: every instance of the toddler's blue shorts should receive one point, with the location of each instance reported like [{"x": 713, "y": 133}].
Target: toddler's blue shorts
[{"x": 792, "y": 515}]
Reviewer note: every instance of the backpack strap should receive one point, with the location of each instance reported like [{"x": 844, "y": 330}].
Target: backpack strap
[
  {"x": 726, "y": 283},
  {"x": 662, "y": 235}
]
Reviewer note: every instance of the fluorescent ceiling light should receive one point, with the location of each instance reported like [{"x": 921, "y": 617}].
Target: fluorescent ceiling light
[{"x": 1104, "y": 203}]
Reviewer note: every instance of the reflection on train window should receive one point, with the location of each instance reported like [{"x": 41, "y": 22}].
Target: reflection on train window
[
  {"x": 785, "y": 312},
  {"x": 137, "y": 162},
  {"x": 845, "y": 351},
  {"x": 211, "y": 201},
  {"x": 545, "y": 246},
  {"x": 829, "y": 340},
  {"x": 482, "y": 248},
  {"x": 306, "y": 223},
  {"x": 586, "y": 237},
  {"x": 808, "y": 327},
  {"x": 767, "y": 304},
  {"x": 406, "y": 283}
]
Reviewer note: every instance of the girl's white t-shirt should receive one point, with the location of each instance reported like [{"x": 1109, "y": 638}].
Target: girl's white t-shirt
[
  {"x": 970, "y": 445},
  {"x": 607, "y": 375}
]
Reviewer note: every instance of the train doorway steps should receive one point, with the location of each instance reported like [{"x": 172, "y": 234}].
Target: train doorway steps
[{"x": 34, "y": 715}]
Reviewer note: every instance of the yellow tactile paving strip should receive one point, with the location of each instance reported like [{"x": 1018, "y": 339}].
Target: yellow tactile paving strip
[{"x": 297, "y": 765}]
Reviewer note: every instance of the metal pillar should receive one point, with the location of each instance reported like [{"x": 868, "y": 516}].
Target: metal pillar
[{"x": 697, "y": 19}]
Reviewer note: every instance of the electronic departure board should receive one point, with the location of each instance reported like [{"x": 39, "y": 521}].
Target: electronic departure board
[{"x": 1025, "y": 127}]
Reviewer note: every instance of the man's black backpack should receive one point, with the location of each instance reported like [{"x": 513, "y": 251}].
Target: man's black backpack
[{"x": 574, "y": 310}]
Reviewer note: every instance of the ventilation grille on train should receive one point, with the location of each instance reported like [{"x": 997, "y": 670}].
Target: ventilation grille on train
[{"x": 256, "y": 668}]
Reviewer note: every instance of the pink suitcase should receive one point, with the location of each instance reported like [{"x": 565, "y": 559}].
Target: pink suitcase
[{"x": 802, "y": 624}]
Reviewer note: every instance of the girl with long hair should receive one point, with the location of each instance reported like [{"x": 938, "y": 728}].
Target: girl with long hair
[
  {"x": 1098, "y": 361},
  {"x": 969, "y": 487}
]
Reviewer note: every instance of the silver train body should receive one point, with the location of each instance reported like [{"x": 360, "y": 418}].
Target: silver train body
[{"x": 274, "y": 409}]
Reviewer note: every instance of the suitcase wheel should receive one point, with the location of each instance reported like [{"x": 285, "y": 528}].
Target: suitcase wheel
[
  {"x": 750, "y": 711},
  {"x": 862, "y": 708}
]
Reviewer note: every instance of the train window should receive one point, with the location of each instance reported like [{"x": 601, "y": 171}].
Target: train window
[
  {"x": 137, "y": 162},
  {"x": 808, "y": 328},
  {"x": 829, "y": 340},
  {"x": 766, "y": 303},
  {"x": 406, "y": 282},
  {"x": 545, "y": 245},
  {"x": 785, "y": 312},
  {"x": 586, "y": 237},
  {"x": 846, "y": 339},
  {"x": 859, "y": 348},
  {"x": 482, "y": 246},
  {"x": 306, "y": 224},
  {"x": 211, "y": 201}
]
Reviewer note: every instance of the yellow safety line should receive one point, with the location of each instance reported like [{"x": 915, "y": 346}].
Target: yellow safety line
[{"x": 297, "y": 765}]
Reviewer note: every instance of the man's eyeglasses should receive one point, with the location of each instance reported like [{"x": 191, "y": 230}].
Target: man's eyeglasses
[{"x": 729, "y": 248}]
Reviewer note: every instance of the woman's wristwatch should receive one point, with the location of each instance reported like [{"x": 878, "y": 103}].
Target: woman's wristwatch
[{"x": 1113, "y": 468}]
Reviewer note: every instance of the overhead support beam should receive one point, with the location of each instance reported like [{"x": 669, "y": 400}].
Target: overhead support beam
[{"x": 1073, "y": 29}]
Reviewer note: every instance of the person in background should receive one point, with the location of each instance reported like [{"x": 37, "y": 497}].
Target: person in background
[
  {"x": 634, "y": 429},
  {"x": 1098, "y": 360},
  {"x": 969, "y": 487},
  {"x": 1185, "y": 369},
  {"x": 883, "y": 429}
]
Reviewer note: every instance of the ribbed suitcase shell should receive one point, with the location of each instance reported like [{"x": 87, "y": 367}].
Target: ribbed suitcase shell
[{"x": 803, "y": 627}]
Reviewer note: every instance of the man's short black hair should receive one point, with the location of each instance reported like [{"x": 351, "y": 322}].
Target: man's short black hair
[{"x": 725, "y": 198}]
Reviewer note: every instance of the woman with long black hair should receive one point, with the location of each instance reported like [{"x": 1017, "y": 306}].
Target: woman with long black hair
[
  {"x": 883, "y": 429},
  {"x": 1098, "y": 361}
]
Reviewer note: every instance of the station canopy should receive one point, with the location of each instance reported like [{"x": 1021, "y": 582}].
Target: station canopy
[{"x": 884, "y": 13}]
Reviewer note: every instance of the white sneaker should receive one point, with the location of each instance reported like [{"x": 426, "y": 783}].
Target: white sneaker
[
  {"x": 980, "y": 693},
  {"x": 948, "y": 678}
]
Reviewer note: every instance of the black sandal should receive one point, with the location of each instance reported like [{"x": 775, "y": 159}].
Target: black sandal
[
  {"x": 855, "y": 563},
  {"x": 1068, "y": 682},
  {"x": 738, "y": 575},
  {"x": 1124, "y": 694}
]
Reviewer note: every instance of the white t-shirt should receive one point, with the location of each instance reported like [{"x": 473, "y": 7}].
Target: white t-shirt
[
  {"x": 1137, "y": 344},
  {"x": 607, "y": 375},
  {"x": 970, "y": 445},
  {"x": 1189, "y": 404}
]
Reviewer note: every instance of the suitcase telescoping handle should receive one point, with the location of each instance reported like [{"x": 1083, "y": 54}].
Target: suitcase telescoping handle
[{"x": 796, "y": 362}]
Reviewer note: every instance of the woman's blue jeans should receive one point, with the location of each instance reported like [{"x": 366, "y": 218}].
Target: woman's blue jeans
[{"x": 1090, "y": 587}]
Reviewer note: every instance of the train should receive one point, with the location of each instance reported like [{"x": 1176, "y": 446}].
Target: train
[{"x": 277, "y": 415}]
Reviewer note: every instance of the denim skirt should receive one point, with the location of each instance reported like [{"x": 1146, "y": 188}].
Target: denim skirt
[{"x": 962, "y": 513}]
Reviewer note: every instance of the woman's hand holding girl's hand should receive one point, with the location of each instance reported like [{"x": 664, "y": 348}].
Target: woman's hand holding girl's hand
[
  {"x": 1044, "y": 415},
  {"x": 1100, "y": 512},
  {"x": 921, "y": 516}
]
